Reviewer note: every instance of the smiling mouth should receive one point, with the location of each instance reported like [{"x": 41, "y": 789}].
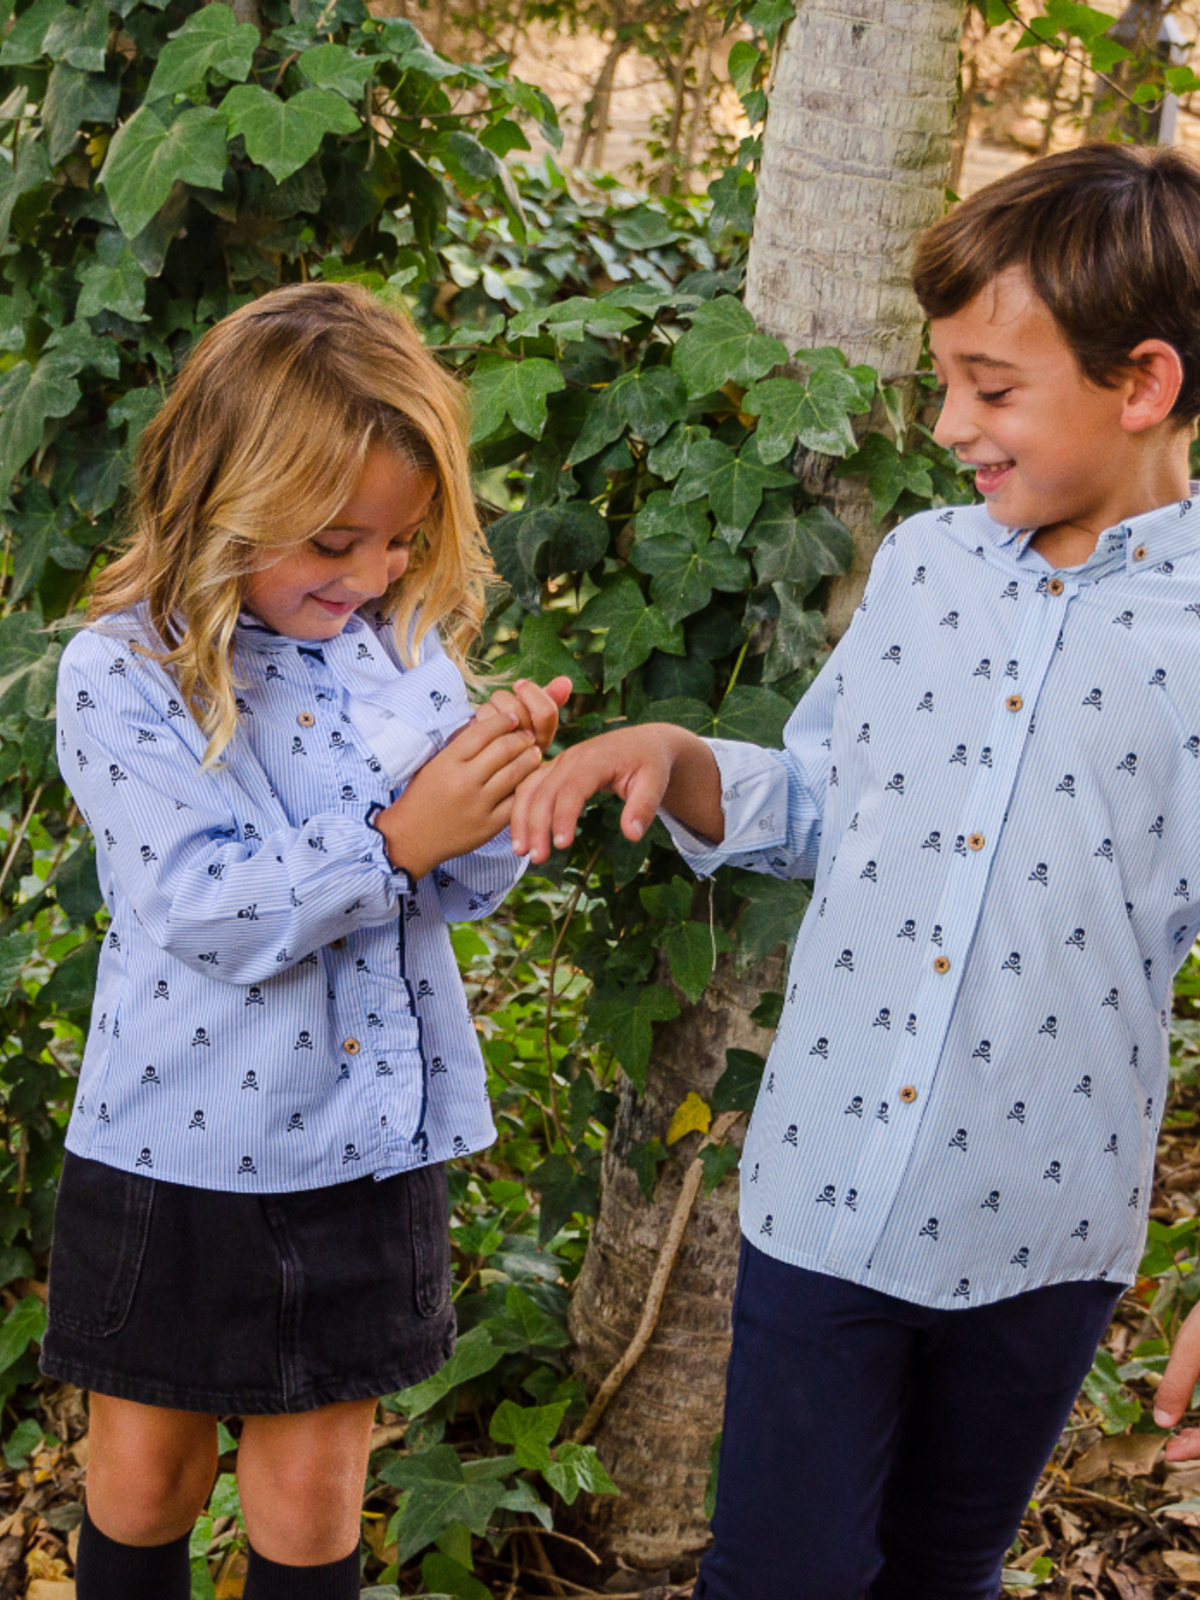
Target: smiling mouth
[
  {"x": 989, "y": 475},
  {"x": 335, "y": 608}
]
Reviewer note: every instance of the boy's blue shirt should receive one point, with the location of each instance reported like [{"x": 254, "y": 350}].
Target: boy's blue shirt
[
  {"x": 276, "y": 1008},
  {"x": 995, "y": 782}
]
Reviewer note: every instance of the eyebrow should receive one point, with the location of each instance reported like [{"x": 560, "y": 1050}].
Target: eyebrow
[{"x": 988, "y": 361}]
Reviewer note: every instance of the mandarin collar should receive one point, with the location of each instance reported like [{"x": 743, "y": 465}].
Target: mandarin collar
[{"x": 1141, "y": 543}]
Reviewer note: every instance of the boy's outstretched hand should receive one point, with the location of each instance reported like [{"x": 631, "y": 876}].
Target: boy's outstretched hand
[
  {"x": 1174, "y": 1393},
  {"x": 649, "y": 766}
]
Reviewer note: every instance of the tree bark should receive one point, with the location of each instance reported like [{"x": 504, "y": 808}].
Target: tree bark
[
  {"x": 857, "y": 147},
  {"x": 855, "y": 158},
  {"x": 656, "y": 1435}
]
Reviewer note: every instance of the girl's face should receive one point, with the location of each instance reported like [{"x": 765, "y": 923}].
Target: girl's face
[{"x": 309, "y": 591}]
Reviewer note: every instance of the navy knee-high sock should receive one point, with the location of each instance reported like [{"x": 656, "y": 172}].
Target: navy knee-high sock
[
  {"x": 333, "y": 1580},
  {"x": 107, "y": 1570}
]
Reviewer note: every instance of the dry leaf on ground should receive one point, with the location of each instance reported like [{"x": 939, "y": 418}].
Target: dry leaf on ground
[{"x": 1183, "y": 1564}]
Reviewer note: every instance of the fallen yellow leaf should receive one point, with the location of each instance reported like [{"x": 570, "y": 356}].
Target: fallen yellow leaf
[
  {"x": 46, "y": 1589},
  {"x": 1183, "y": 1564},
  {"x": 693, "y": 1116}
]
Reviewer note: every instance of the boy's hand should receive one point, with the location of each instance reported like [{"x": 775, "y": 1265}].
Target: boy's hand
[
  {"x": 535, "y": 708},
  {"x": 1174, "y": 1393},
  {"x": 652, "y": 765},
  {"x": 462, "y": 797}
]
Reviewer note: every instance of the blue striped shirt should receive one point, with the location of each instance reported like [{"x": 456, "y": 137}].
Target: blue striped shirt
[
  {"x": 995, "y": 782},
  {"x": 276, "y": 1007}
]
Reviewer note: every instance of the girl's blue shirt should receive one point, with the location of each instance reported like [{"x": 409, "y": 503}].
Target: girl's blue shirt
[{"x": 276, "y": 1008}]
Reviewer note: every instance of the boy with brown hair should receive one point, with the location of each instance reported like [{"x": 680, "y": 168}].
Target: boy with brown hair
[{"x": 995, "y": 783}]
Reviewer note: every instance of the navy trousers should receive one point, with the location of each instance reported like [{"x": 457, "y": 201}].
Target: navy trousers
[{"x": 878, "y": 1450}]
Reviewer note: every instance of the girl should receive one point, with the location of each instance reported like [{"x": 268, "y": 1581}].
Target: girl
[{"x": 253, "y": 1211}]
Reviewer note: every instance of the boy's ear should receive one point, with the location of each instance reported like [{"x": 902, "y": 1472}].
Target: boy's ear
[{"x": 1152, "y": 384}]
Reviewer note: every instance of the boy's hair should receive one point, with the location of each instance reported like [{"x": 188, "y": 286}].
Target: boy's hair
[
  {"x": 1109, "y": 238},
  {"x": 263, "y": 437}
]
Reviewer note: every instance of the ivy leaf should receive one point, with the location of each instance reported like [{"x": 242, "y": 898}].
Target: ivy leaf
[
  {"x": 571, "y": 319},
  {"x": 563, "y": 1191},
  {"x": 693, "y": 1116},
  {"x": 282, "y": 135},
  {"x": 472, "y": 166},
  {"x": 647, "y": 401},
  {"x": 73, "y": 98},
  {"x": 718, "y": 1160},
  {"x": 644, "y": 1159},
  {"x": 529, "y": 1429},
  {"x": 77, "y": 887},
  {"x": 816, "y": 412},
  {"x": 690, "y": 949},
  {"x": 15, "y": 951},
  {"x": 668, "y": 902},
  {"x": 112, "y": 281},
  {"x": 733, "y": 195},
  {"x": 634, "y": 629},
  {"x": 684, "y": 577},
  {"x": 737, "y": 1087},
  {"x": 772, "y": 916},
  {"x": 32, "y": 168},
  {"x": 440, "y": 1491},
  {"x": 28, "y": 396},
  {"x": 146, "y": 157},
  {"x": 524, "y": 1325},
  {"x": 734, "y": 484},
  {"x": 798, "y": 550},
  {"x": 79, "y": 36},
  {"x": 576, "y": 1468},
  {"x": 888, "y": 473},
  {"x": 474, "y": 1354},
  {"x": 530, "y": 545},
  {"x": 722, "y": 346},
  {"x": 541, "y": 654},
  {"x": 442, "y": 1575},
  {"x": 799, "y": 635},
  {"x": 667, "y": 457},
  {"x": 769, "y": 17},
  {"x": 625, "y": 1025},
  {"x": 516, "y": 389},
  {"x": 211, "y": 40},
  {"x": 332, "y": 66},
  {"x": 25, "y": 41},
  {"x": 756, "y": 716},
  {"x": 24, "y": 1325},
  {"x": 659, "y": 516}
]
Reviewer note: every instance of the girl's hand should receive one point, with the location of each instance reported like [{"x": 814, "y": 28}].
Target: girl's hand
[
  {"x": 1174, "y": 1393},
  {"x": 460, "y": 799},
  {"x": 649, "y": 766},
  {"x": 535, "y": 708}
]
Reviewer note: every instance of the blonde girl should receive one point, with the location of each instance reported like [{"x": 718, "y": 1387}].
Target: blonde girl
[{"x": 266, "y": 726}]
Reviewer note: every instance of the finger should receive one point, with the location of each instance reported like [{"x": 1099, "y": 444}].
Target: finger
[
  {"x": 534, "y": 813},
  {"x": 523, "y": 808},
  {"x": 505, "y": 701},
  {"x": 559, "y": 689},
  {"x": 642, "y": 796},
  {"x": 542, "y": 711},
  {"x": 1175, "y": 1391},
  {"x": 479, "y": 733},
  {"x": 502, "y": 785},
  {"x": 497, "y": 754},
  {"x": 1184, "y": 1446}
]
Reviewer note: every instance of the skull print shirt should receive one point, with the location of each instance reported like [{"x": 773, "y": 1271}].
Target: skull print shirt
[
  {"x": 995, "y": 784},
  {"x": 276, "y": 1007}
]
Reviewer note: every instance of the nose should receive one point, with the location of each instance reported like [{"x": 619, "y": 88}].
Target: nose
[
  {"x": 955, "y": 427},
  {"x": 368, "y": 573}
]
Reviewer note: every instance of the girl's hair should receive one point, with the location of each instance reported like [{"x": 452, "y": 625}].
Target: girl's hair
[{"x": 263, "y": 437}]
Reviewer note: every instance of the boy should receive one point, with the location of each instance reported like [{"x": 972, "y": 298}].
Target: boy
[{"x": 995, "y": 781}]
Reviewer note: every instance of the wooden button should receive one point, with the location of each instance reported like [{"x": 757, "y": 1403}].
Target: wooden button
[
  {"x": 908, "y": 1094},
  {"x": 306, "y": 719},
  {"x": 1013, "y": 703},
  {"x": 1055, "y": 586},
  {"x": 941, "y": 963},
  {"x": 976, "y": 841},
  {"x": 1140, "y": 553},
  {"x": 351, "y": 1046},
  {"x": 337, "y": 944}
]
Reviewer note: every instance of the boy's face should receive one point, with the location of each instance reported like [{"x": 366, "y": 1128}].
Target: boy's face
[
  {"x": 310, "y": 591},
  {"x": 1048, "y": 444}
]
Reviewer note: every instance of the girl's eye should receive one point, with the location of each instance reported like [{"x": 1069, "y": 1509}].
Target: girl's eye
[
  {"x": 994, "y": 394},
  {"x": 325, "y": 549}
]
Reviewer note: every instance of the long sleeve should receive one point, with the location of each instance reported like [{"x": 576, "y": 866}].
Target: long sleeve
[{"x": 228, "y": 898}]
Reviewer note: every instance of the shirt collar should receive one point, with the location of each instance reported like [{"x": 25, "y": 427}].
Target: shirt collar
[
  {"x": 1142, "y": 542},
  {"x": 258, "y": 636}
]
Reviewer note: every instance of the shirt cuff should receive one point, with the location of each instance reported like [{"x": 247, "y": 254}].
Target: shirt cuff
[
  {"x": 754, "y": 800},
  {"x": 401, "y": 881}
]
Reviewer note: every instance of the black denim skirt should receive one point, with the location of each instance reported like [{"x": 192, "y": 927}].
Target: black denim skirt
[{"x": 247, "y": 1304}]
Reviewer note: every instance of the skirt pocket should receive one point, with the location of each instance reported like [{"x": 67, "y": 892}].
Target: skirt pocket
[
  {"x": 429, "y": 1202},
  {"x": 101, "y": 1223}
]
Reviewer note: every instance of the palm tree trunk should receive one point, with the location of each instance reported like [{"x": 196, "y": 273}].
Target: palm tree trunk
[{"x": 857, "y": 148}]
